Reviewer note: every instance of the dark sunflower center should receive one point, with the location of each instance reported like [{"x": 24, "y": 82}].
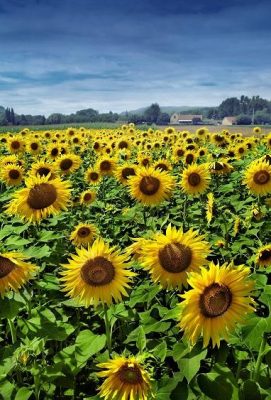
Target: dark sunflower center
[
  {"x": 66, "y": 164},
  {"x": 180, "y": 152},
  {"x": 189, "y": 158},
  {"x": 231, "y": 153},
  {"x": 261, "y": 177},
  {"x": 43, "y": 171},
  {"x": 15, "y": 145},
  {"x": 194, "y": 179},
  {"x": 123, "y": 145},
  {"x": 265, "y": 255},
  {"x": 14, "y": 174},
  {"x": 149, "y": 185},
  {"x": 145, "y": 162},
  {"x": 54, "y": 152},
  {"x": 98, "y": 272},
  {"x": 202, "y": 152},
  {"x": 75, "y": 140},
  {"x": 6, "y": 266},
  {"x": 175, "y": 257},
  {"x": 34, "y": 146},
  {"x": 162, "y": 166},
  {"x": 87, "y": 196},
  {"x": 94, "y": 176},
  {"x": 126, "y": 172},
  {"x": 131, "y": 374},
  {"x": 215, "y": 300},
  {"x": 96, "y": 145},
  {"x": 83, "y": 232},
  {"x": 42, "y": 196},
  {"x": 105, "y": 165},
  {"x": 241, "y": 150},
  {"x": 218, "y": 166}
]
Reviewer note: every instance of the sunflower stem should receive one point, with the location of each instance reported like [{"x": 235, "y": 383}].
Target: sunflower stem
[
  {"x": 107, "y": 330},
  {"x": 12, "y": 331},
  {"x": 260, "y": 358},
  {"x": 239, "y": 366}
]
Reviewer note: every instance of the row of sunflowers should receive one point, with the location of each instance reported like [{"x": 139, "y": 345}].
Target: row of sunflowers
[{"x": 135, "y": 264}]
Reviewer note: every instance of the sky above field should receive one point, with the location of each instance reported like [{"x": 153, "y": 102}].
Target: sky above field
[{"x": 66, "y": 55}]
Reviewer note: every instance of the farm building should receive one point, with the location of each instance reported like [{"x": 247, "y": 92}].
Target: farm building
[
  {"x": 191, "y": 119},
  {"x": 229, "y": 121}
]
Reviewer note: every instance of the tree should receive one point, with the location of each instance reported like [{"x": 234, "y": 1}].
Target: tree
[
  {"x": 152, "y": 113},
  {"x": 163, "y": 119},
  {"x": 243, "y": 119}
]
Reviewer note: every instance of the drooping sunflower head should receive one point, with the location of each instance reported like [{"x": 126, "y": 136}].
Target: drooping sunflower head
[
  {"x": 125, "y": 378},
  {"x": 124, "y": 171},
  {"x": 170, "y": 257},
  {"x": 195, "y": 179},
  {"x": 96, "y": 275},
  {"x": 150, "y": 186},
  {"x": 87, "y": 197},
  {"x": 12, "y": 175},
  {"x": 263, "y": 256},
  {"x": 92, "y": 176},
  {"x": 83, "y": 234},
  {"x": 41, "y": 198},
  {"x": 43, "y": 168},
  {"x": 258, "y": 178},
  {"x": 14, "y": 271},
  {"x": 219, "y": 299},
  {"x": 68, "y": 163}
]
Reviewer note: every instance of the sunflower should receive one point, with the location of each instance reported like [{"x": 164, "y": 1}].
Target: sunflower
[
  {"x": 12, "y": 175},
  {"x": 92, "y": 176},
  {"x": 14, "y": 271},
  {"x": 258, "y": 178},
  {"x": 219, "y": 299},
  {"x": 10, "y": 159},
  {"x": 124, "y": 171},
  {"x": 151, "y": 186},
  {"x": 169, "y": 257},
  {"x": 34, "y": 146},
  {"x": 68, "y": 163},
  {"x": 178, "y": 152},
  {"x": 163, "y": 165},
  {"x": 96, "y": 275},
  {"x": 126, "y": 379},
  {"x": 144, "y": 159},
  {"x": 263, "y": 256},
  {"x": 189, "y": 157},
  {"x": 53, "y": 151},
  {"x": 257, "y": 130},
  {"x": 41, "y": 197},
  {"x": 106, "y": 165},
  {"x": 87, "y": 197},
  {"x": 220, "y": 168},
  {"x": 83, "y": 234},
  {"x": 195, "y": 179},
  {"x": 43, "y": 168},
  {"x": 15, "y": 144}
]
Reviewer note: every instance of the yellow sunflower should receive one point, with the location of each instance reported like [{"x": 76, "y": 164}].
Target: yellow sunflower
[
  {"x": 68, "y": 163},
  {"x": 41, "y": 197},
  {"x": 151, "y": 186},
  {"x": 124, "y": 171},
  {"x": 220, "y": 167},
  {"x": 126, "y": 379},
  {"x": 219, "y": 299},
  {"x": 10, "y": 159},
  {"x": 83, "y": 234},
  {"x": 12, "y": 175},
  {"x": 195, "y": 179},
  {"x": 34, "y": 146},
  {"x": 163, "y": 165},
  {"x": 53, "y": 151},
  {"x": 14, "y": 271},
  {"x": 87, "y": 197},
  {"x": 15, "y": 144},
  {"x": 43, "y": 168},
  {"x": 258, "y": 178},
  {"x": 169, "y": 257},
  {"x": 96, "y": 275},
  {"x": 106, "y": 165},
  {"x": 92, "y": 176},
  {"x": 263, "y": 256}
]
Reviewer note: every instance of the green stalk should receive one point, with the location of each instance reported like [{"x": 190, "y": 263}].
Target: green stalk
[
  {"x": 259, "y": 359},
  {"x": 12, "y": 331},
  {"x": 108, "y": 330}
]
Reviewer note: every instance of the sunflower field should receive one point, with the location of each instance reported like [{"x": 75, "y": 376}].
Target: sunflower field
[{"x": 135, "y": 265}]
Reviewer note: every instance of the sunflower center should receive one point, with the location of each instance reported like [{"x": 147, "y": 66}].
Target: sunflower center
[
  {"x": 98, "y": 272},
  {"x": 265, "y": 255},
  {"x": 145, "y": 162},
  {"x": 180, "y": 152},
  {"x": 96, "y": 146},
  {"x": 65, "y": 164},
  {"x": 43, "y": 171},
  {"x": 15, "y": 145},
  {"x": 162, "y": 166},
  {"x": 6, "y": 266},
  {"x": 189, "y": 158},
  {"x": 261, "y": 177},
  {"x": 34, "y": 146},
  {"x": 149, "y": 185},
  {"x": 42, "y": 196},
  {"x": 105, "y": 165},
  {"x": 54, "y": 152},
  {"x": 215, "y": 300},
  {"x": 83, "y": 232},
  {"x": 194, "y": 179},
  {"x": 87, "y": 197},
  {"x": 130, "y": 373},
  {"x": 218, "y": 166},
  {"x": 123, "y": 145},
  {"x": 126, "y": 172},
  {"x": 94, "y": 176},
  {"x": 14, "y": 174},
  {"x": 175, "y": 257}
]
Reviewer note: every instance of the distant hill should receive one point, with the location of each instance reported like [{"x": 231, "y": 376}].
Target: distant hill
[{"x": 168, "y": 109}]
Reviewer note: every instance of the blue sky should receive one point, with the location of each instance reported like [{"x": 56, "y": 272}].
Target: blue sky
[{"x": 65, "y": 55}]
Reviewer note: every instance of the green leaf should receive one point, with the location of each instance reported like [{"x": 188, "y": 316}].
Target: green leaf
[
  {"x": 218, "y": 384},
  {"x": 9, "y": 308},
  {"x": 87, "y": 344},
  {"x": 23, "y": 394},
  {"x": 17, "y": 241},
  {"x": 160, "y": 351},
  {"x": 46, "y": 236},
  {"x": 250, "y": 390},
  {"x": 190, "y": 364},
  {"x": 167, "y": 385},
  {"x": 141, "y": 339},
  {"x": 38, "y": 252}
]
